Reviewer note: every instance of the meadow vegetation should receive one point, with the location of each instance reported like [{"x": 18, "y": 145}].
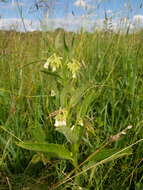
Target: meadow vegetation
[{"x": 71, "y": 110}]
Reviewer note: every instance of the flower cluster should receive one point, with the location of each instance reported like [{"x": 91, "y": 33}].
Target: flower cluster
[
  {"x": 80, "y": 122},
  {"x": 74, "y": 66},
  {"x": 54, "y": 62},
  {"x": 60, "y": 119}
]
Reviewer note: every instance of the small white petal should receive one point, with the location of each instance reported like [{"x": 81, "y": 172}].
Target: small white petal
[
  {"x": 72, "y": 127},
  {"x": 46, "y": 65},
  {"x": 129, "y": 127},
  {"x": 56, "y": 123},
  {"x": 53, "y": 93},
  {"x": 63, "y": 123},
  {"x": 60, "y": 123},
  {"x": 123, "y": 133},
  {"x": 74, "y": 76},
  {"x": 80, "y": 122},
  {"x": 53, "y": 69}
]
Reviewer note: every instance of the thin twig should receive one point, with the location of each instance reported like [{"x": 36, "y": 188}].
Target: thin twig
[{"x": 8, "y": 182}]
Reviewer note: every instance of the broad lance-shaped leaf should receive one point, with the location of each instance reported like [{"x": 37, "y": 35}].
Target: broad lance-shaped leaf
[
  {"x": 55, "y": 150},
  {"x": 54, "y": 74},
  {"x": 60, "y": 40},
  {"x": 111, "y": 154},
  {"x": 108, "y": 155}
]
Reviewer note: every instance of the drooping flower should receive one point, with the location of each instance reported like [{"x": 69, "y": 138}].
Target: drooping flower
[
  {"x": 46, "y": 65},
  {"x": 72, "y": 127},
  {"x": 129, "y": 127},
  {"x": 53, "y": 62},
  {"x": 60, "y": 119},
  {"x": 74, "y": 67},
  {"x": 59, "y": 123},
  {"x": 80, "y": 122},
  {"x": 53, "y": 93}
]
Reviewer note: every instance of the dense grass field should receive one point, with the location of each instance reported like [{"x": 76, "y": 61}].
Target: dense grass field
[{"x": 71, "y": 111}]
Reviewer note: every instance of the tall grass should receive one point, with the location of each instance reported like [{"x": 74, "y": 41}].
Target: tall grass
[{"x": 107, "y": 95}]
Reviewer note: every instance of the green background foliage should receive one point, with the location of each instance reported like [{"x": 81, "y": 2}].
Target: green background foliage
[{"x": 107, "y": 95}]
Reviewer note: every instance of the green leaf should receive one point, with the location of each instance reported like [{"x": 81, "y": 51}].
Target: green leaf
[
  {"x": 108, "y": 155},
  {"x": 60, "y": 40},
  {"x": 73, "y": 136},
  {"x": 40, "y": 157},
  {"x": 38, "y": 133},
  {"x": 65, "y": 94},
  {"x": 2, "y": 92},
  {"x": 36, "y": 158},
  {"x": 54, "y": 74},
  {"x": 78, "y": 95},
  {"x": 105, "y": 153},
  {"x": 54, "y": 150},
  {"x": 69, "y": 39},
  {"x": 65, "y": 43}
]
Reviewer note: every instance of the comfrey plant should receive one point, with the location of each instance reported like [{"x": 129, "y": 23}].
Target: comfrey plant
[
  {"x": 70, "y": 100},
  {"x": 64, "y": 119}
]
